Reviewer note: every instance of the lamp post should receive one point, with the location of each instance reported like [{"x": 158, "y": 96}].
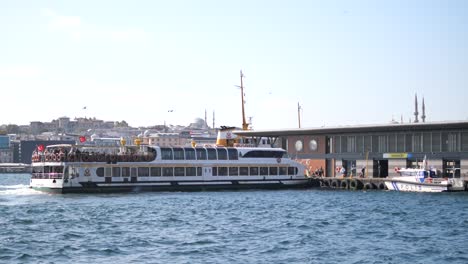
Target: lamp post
[{"x": 299, "y": 108}]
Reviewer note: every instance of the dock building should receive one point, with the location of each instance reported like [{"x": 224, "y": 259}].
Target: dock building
[{"x": 379, "y": 149}]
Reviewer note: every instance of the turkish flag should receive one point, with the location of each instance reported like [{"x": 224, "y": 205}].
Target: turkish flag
[
  {"x": 82, "y": 139},
  {"x": 40, "y": 148}
]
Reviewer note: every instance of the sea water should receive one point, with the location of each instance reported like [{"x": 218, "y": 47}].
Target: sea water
[{"x": 257, "y": 226}]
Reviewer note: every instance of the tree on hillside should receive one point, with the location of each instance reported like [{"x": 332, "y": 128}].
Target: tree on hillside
[
  {"x": 12, "y": 129},
  {"x": 123, "y": 123}
]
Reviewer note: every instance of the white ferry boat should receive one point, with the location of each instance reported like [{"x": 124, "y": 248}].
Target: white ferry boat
[
  {"x": 82, "y": 168},
  {"x": 422, "y": 180}
]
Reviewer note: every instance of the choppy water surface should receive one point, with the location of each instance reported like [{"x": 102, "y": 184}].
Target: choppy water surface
[{"x": 291, "y": 226}]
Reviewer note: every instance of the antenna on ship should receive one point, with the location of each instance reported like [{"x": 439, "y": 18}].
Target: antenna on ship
[{"x": 245, "y": 126}]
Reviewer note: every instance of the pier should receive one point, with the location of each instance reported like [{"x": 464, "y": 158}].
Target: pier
[
  {"x": 349, "y": 183},
  {"x": 15, "y": 168},
  {"x": 356, "y": 183}
]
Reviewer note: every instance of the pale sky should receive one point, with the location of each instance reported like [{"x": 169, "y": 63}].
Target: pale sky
[{"x": 345, "y": 62}]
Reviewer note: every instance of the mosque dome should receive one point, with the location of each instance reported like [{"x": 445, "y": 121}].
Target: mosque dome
[{"x": 198, "y": 123}]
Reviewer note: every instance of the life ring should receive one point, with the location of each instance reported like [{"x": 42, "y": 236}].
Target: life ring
[
  {"x": 338, "y": 169},
  {"x": 396, "y": 169},
  {"x": 278, "y": 160}
]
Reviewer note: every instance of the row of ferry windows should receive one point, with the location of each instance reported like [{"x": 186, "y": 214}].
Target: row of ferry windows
[
  {"x": 215, "y": 154},
  {"x": 199, "y": 154},
  {"x": 254, "y": 171},
  {"x": 194, "y": 171},
  {"x": 48, "y": 169}
]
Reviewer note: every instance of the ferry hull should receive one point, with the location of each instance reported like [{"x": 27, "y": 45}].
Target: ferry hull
[{"x": 93, "y": 187}]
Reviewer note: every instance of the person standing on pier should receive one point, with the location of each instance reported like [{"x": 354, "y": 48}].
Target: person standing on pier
[
  {"x": 320, "y": 172},
  {"x": 343, "y": 172}
]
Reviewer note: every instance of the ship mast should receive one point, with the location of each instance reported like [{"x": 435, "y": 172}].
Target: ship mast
[{"x": 245, "y": 126}]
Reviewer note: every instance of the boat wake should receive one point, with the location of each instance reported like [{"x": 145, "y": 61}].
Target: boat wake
[{"x": 19, "y": 189}]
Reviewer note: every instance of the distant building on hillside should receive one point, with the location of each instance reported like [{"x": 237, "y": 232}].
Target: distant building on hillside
[{"x": 164, "y": 139}]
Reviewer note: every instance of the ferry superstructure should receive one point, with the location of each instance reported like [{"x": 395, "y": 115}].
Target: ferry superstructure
[{"x": 81, "y": 168}]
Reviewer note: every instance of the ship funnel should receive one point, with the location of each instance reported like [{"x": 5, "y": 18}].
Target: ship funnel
[{"x": 226, "y": 138}]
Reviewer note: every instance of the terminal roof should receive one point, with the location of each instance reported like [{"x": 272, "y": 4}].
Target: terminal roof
[{"x": 392, "y": 127}]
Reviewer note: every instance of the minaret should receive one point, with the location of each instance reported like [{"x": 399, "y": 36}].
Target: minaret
[
  {"x": 416, "y": 109},
  {"x": 213, "y": 119},
  {"x": 423, "y": 117},
  {"x": 206, "y": 119}
]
